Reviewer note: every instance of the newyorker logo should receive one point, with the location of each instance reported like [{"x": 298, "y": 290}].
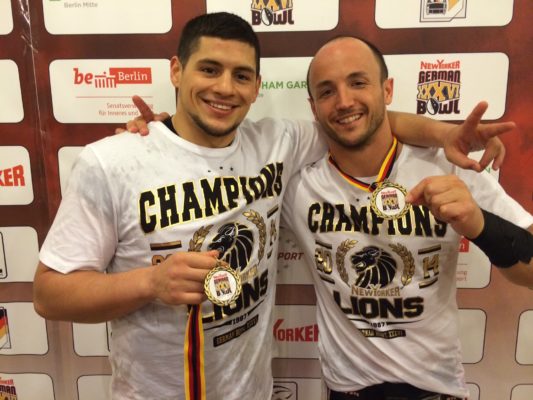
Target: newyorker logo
[
  {"x": 114, "y": 77},
  {"x": 439, "y": 85},
  {"x": 308, "y": 333},
  {"x": 13, "y": 176},
  {"x": 272, "y": 12}
]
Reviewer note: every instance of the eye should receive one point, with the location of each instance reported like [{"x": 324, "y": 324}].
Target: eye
[
  {"x": 243, "y": 77},
  {"x": 324, "y": 93},
  {"x": 358, "y": 84},
  {"x": 208, "y": 70}
]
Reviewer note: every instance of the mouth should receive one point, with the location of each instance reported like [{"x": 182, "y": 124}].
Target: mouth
[
  {"x": 348, "y": 119},
  {"x": 220, "y": 107}
]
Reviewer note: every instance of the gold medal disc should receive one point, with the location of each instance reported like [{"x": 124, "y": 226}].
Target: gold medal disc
[
  {"x": 388, "y": 201},
  {"x": 222, "y": 285}
]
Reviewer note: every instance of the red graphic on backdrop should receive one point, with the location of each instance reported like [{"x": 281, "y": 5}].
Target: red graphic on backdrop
[
  {"x": 114, "y": 77},
  {"x": 13, "y": 176},
  {"x": 308, "y": 333}
]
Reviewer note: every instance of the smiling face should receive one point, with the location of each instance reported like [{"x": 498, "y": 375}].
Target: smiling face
[
  {"x": 216, "y": 88},
  {"x": 348, "y": 93}
]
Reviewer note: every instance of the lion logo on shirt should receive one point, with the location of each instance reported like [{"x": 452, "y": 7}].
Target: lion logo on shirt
[
  {"x": 234, "y": 243},
  {"x": 374, "y": 267}
]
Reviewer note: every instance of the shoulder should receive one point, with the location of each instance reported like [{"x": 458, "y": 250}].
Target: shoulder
[
  {"x": 313, "y": 176},
  {"x": 427, "y": 160},
  {"x": 126, "y": 146},
  {"x": 423, "y": 152},
  {"x": 278, "y": 126}
]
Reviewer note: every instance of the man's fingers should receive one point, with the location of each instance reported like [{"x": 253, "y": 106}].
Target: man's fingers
[
  {"x": 495, "y": 153},
  {"x": 200, "y": 260},
  {"x": 476, "y": 114},
  {"x": 161, "y": 116},
  {"x": 143, "y": 108},
  {"x": 462, "y": 160},
  {"x": 192, "y": 286},
  {"x": 498, "y": 161},
  {"x": 492, "y": 130},
  {"x": 486, "y": 158},
  {"x": 416, "y": 194},
  {"x": 434, "y": 190}
]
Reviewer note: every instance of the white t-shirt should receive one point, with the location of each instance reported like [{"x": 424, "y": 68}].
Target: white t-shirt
[
  {"x": 133, "y": 200},
  {"x": 386, "y": 293}
]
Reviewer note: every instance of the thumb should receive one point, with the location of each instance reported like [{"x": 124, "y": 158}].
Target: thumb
[{"x": 415, "y": 196}]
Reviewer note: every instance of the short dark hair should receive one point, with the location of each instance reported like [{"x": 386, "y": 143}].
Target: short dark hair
[
  {"x": 384, "y": 71},
  {"x": 221, "y": 25}
]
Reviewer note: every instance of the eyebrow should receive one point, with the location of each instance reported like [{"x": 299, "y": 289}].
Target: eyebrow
[
  {"x": 243, "y": 68},
  {"x": 353, "y": 75}
]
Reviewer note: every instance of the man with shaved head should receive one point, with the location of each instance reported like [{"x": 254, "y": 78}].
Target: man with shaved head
[{"x": 380, "y": 223}]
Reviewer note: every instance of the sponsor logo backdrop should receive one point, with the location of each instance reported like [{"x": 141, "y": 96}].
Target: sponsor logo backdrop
[{"x": 68, "y": 69}]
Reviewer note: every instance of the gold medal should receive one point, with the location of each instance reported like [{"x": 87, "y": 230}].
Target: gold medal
[
  {"x": 388, "y": 200},
  {"x": 222, "y": 285}
]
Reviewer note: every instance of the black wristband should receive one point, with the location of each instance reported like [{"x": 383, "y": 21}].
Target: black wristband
[{"x": 503, "y": 242}]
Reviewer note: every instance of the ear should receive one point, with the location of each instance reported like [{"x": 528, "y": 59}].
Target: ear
[
  {"x": 312, "y": 104},
  {"x": 175, "y": 71},
  {"x": 388, "y": 87},
  {"x": 257, "y": 88}
]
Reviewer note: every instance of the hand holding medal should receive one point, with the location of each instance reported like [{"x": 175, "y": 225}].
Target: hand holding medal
[{"x": 389, "y": 200}]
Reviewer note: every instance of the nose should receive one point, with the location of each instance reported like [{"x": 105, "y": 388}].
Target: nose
[
  {"x": 224, "y": 84},
  {"x": 344, "y": 98}
]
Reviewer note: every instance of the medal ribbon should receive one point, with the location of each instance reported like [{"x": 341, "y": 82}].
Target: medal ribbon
[
  {"x": 384, "y": 170},
  {"x": 193, "y": 353}
]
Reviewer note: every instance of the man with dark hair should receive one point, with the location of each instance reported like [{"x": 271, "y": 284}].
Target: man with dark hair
[
  {"x": 144, "y": 233},
  {"x": 384, "y": 260},
  {"x": 222, "y": 26}
]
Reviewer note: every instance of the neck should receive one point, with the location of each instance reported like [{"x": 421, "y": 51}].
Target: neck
[
  {"x": 187, "y": 129},
  {"x": 366, "y": 160}
]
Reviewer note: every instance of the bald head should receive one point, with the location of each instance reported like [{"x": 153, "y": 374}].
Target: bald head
[{"x": 339, "y": 50}]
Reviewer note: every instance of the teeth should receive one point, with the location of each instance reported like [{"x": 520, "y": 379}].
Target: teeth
[
  {"x": 220, "y": 106},
  {"x": 349, "y": 119}
]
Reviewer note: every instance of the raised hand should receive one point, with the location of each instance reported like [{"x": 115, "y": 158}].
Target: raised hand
[{"x": 471, "y": 135}]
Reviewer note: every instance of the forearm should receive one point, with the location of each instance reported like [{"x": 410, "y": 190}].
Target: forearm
[
  {"x": 520, "y": 273},
  {"x": 508, "y": 247},
  {"x": 418, "y": 130},
  {"x": 89, "y": 296}
]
